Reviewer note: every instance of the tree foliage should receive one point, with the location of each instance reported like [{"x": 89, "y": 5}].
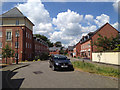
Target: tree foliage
[
  {"x": 58, "y": 44},
  {"x": 7, "y": 52},
  {"x": 103, "y": 43},
  {"x": 50, "y": 44}
]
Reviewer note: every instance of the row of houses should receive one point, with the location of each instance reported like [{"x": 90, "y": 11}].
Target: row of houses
[
  {"x": 17, "y": 30},
  {"x": 84, "y": 47}
]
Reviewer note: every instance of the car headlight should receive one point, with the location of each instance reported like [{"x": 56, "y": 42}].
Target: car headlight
[{"x": 57, "y": 63}]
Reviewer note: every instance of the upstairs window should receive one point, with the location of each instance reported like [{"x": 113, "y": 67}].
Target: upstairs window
[
  {"x": 0, "y": 44},
  {"x": 17, "y": 22},
  {"x": 9, "y": 35},
  {"x": 0, "y": 33},
  {"x": 0, "y": 56},
  {"x": 17, "y": 33}
]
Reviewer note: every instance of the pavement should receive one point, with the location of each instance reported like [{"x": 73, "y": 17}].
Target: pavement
[
  {"x": 89, "y": 61},
  {"x": 6, "y": 71},
  {"x": 39, "y": 75}
]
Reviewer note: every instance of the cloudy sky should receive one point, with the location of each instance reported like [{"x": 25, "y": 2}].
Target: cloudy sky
[{"x": 66, "y": 21}]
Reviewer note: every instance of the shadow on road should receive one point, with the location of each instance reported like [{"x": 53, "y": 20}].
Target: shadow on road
[
  {"x": 7, "y": 82},
  {"x": 65, "y": 70}
]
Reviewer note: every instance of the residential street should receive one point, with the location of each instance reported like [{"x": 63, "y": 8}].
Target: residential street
[{"x": 39, "y": 75}]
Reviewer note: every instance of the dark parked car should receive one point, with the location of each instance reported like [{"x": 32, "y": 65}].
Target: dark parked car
[{"x": 58, "y": 62}]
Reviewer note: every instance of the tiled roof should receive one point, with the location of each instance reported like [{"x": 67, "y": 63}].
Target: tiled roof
[
  {"x": 15, "y": 12},
  {"x": 54, "y": 48}
]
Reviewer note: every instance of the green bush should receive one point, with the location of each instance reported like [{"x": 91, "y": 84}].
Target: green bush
[
  {"x": 38, "y": 60},
  {"x": 33, "y": 60}
]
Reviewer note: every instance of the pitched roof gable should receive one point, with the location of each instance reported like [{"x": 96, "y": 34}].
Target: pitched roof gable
[{"x": 15, "y": 12}]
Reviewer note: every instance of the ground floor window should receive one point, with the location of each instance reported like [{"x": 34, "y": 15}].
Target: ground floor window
[{"x": 0, "y": 56}]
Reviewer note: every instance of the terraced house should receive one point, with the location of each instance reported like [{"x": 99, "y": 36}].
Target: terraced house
[
  {"x": 85, "y": 44},
  {"x": 14, "y": 25}
]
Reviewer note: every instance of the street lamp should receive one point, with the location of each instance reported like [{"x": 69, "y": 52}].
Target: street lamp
[{"x": 17, "y": 34}]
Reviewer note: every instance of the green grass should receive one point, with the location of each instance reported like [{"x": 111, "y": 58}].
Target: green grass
[{"x": 94, "y": 68}]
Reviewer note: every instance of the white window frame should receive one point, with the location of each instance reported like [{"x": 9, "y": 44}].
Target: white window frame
[{"x": 7, "y": 37}]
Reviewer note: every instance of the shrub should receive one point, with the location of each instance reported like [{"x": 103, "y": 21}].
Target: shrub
[
  {"x": 38, "y": 60},
  {"x": 44, "y": 56},
  {"x": 33, "y": 60}
]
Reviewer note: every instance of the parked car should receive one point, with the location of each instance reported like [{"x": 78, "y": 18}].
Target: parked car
[{"x": 58, "y": 62}]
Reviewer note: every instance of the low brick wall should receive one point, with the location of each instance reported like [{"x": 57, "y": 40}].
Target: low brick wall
[{"x": 106, "y": 57}]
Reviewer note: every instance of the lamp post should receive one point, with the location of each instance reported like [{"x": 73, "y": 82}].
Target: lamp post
[{"x": 17, "y": 48}]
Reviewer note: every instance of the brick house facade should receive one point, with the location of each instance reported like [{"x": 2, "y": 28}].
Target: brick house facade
[
  {"x": 14, "y": 21},
  {"x": 86, "y": 42},
  {"x": 77, "y": 50}
]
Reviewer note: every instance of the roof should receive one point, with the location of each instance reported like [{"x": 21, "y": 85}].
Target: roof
[
  {"x": 14, "y": 13},
  {"x": 93, "y": 33},
  {"x": 54, "y": 48},
  {"x": 70, "y": 48}
]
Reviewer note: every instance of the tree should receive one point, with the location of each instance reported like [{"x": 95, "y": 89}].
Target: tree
[
  {"x": 44, "y": 38},
  {"x": 58, "y": 44},
  {"x": 7, "y": 52},
  {"x": 103, "y": 43}
]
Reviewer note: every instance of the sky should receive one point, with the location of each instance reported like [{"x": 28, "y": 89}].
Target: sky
[{"x": 67, "y": 21}]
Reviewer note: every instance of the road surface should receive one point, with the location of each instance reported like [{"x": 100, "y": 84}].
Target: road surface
[{"x": 39, "y": 75}]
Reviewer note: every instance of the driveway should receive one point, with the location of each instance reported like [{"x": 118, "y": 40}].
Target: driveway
[{"x": 39, "y": 75}]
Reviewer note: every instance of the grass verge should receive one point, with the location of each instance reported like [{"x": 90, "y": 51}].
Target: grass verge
[{"x": 93, "y": 68}]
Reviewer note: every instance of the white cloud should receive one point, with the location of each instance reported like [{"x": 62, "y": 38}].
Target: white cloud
[
  {"x": 69, "y": 24},
  {"x": 88, "y": 17},
  {"x": 116, "y": 4},
  {"x": 101, "y": 20},
  {"x": 37, "y": 13}
]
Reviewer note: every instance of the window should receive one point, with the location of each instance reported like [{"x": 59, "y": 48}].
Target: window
[
  {"x": 16, "y": 44},
  {"x": 26, "y": 34},
  {"x": 26, "y": 44},
  {"x": 17, "y": 22},
  {"x": 9, "y": 35},
  {"x": 30, "y": 45},
  {"x": 0, "y": 33},
  {"x": 16, "y": 33},
  {"x": 16, "y": 55},
  {"x": 0, "y": 56},
  {"x": 0, "y": 44}
]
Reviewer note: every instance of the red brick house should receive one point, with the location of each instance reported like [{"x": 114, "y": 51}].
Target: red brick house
[
  {"x": 54, "y": 50},
  {"x": 86, "y": 47},
  {"x": 70, "y": 50},
  {"x": 14, "y": 21},
  {"x": 76, "y": 50},
  {"x": 40, "y": 47}
]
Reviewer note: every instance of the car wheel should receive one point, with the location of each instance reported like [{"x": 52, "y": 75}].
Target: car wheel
[
  {"x": 53, "y": 68},
  {"x": 50, "y": 66}
]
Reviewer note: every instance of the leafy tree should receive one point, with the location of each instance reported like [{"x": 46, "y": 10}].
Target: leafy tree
[
  {"x": 7, "y": 52},
  {"x": 58, "y": 44},
  {"x": 50, "y": 44},
  {"x": 103, "y": 43}
]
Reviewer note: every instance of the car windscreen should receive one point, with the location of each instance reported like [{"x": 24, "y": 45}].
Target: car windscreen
[{"x": 60, "y": 58}]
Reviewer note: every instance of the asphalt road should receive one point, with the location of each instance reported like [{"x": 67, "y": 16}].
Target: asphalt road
[{"x": 39, "y": 75}]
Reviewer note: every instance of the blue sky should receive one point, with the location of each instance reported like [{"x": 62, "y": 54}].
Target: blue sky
[
  {"x": 66, "y": 21},
  {"x": 94, "y": 8}
]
